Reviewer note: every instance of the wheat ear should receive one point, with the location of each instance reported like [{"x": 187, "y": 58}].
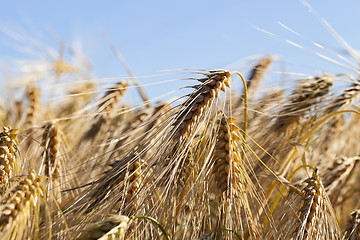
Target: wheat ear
[
  {"x": 352, "y": 231},
  {"x": 113, "y": 227},
  {"x": 18, "y": 206},
  {"x": 316, "y": 218},
  {"x": 338, "y": 175},
  {"x": 33, "y": 94},
  {"x": 345, "y": 99},
  {"x": 199, "y": 101},
  {"x": 8, "y": 155},
  {"x": 50, "y": 142},
  {"x": 301, "y": 99},
  {"x": 105, "y": 108},
  {"x": 231, "y": 179}
]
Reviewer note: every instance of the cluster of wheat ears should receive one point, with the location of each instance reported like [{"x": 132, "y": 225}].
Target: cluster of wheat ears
[{"x": 260, "y": 163}]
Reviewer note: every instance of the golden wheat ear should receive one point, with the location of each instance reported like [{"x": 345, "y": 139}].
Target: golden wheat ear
[
  {"x": 199, "y": 101},
  {"x": 232, "y": 183},
  {"x": 33, "y": 95},
  {"x": 105, "y": 109},
  {"x": 315, "y": 215},
  {"x": 8, "y": 156},
  {"x": 294, "y": 116},
  {"x": 304, "y": 96},
  {"x": 54, "y": 160},
  {"x": 20, "y": 207},
  {"x": 134, "y": 180},
  {"x": 258, "y": 72},
  {"x": 337, "y": 177},
  {"x": 352, "y": 231},
  {"x": 255, "y": 79},
  {"x": 50, "y": 142},
  {"x": 112, "y": 227},
  {"x": 350, "y": 95}
]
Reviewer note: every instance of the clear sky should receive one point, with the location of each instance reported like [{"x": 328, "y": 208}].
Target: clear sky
[{"x": 156, "y": 35}]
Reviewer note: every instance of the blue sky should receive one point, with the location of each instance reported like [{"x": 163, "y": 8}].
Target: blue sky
[{"x": 156, "y": 35}]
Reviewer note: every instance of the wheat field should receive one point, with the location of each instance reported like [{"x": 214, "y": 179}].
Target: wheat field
[{"x": 79, "y": 160}]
